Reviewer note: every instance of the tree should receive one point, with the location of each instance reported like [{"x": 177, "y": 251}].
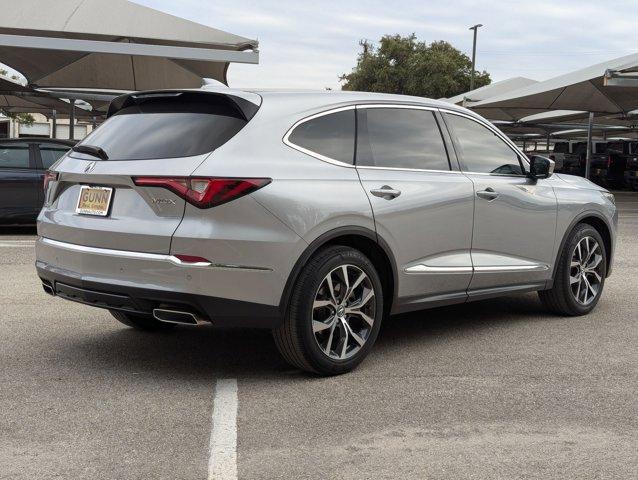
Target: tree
[{"x": 406, "y": 66}]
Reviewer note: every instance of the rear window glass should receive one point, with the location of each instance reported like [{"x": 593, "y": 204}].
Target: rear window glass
[
  {"x": 179, "y": 126},
  {"x": 561, "y": 147},
  {"x": 15, "y": 155},
  {"x": 330, "y": 135}
]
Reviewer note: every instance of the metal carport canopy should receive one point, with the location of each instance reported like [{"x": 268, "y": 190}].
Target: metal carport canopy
[
  {"x": 113, "y": 44},
  {"x": 489, "y": 91},
  {"x": 582, "y": 90},
  {"x": 16, "y": 98}
]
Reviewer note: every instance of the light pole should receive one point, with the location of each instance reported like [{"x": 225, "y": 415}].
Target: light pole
[{"x": 475, "y": 28}]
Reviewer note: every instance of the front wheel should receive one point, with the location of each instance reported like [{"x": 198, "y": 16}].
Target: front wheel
[
  {"x": 580, "y": 274},
  {"x": 334, "y": 314}
]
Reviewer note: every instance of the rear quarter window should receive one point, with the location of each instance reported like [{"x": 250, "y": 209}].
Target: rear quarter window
[{"x": 331, "y": 136}]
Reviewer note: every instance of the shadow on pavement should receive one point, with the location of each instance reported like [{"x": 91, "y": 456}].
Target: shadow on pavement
[
  {"x": 200, "y": 354},
  {"x": 18, "y": 230}
]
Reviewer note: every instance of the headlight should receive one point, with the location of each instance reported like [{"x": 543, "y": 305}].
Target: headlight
[{"x": 609, "y": 196}]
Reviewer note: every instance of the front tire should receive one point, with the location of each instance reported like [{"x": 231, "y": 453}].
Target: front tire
[
  {"x": 334, "y": 315},
  {"x": 139, "y": 322},
  {"x": 580, "y": 274}
]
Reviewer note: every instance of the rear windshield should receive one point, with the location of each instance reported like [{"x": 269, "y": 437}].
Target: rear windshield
[
  {"x": 561, "y": 147},
  {"x": 179, "y": 126}
]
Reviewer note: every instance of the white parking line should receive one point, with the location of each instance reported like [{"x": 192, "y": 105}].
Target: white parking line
[
  {"x": 17, "y": 243},
  {"x": 222, "y": 462}
]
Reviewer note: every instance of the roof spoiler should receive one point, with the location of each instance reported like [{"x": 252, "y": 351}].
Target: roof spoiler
[{"x": 246, "y": 102}]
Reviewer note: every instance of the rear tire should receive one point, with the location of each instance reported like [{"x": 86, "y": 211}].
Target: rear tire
[
  {"x": 575, "y": 271},
  {"x": 139, "y": 322},
  {"x": 334, "y": 314}
]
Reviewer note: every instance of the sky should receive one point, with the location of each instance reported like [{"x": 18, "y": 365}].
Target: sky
[{"x": 308, "y": 44}]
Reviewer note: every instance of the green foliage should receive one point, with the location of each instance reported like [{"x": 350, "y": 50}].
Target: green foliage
[
  {"x": 406, "y": 66},
  {"x": 25, "y": 119}
]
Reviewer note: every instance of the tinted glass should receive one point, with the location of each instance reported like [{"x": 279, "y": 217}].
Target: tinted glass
[
  {"x": 166, "y": 128},
  {"x": 15, "y": 155},
  {"x": 480, "y": 150},
  {"x": 51, "y": 154},
  {"x": 330, "y": 135},
  {"x": 400, "y": 138},
  {"x": 561, "y": 147}
]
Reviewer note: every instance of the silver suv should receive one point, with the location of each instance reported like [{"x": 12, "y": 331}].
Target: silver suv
[{"x": 315, "y": 215}]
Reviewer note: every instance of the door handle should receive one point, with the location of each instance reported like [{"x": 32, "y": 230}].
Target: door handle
[
  {"x": 386, "y": 192},
  {"x": 488, "y": 194}
]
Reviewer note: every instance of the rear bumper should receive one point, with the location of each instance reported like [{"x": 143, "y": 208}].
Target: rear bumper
[{"x": 138, "y": 283}]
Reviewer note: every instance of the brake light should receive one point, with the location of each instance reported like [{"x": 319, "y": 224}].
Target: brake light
[
  {"x": 609, "y": 161},
  {"x": 205, "y": 192},
  {"x": 49, "y": 177}
]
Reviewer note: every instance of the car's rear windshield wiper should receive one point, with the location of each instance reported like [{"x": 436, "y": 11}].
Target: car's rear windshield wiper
[{"x": 91, "y": 150}]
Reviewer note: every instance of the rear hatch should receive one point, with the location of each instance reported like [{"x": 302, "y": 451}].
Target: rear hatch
[{"x": 92, "y": 198}]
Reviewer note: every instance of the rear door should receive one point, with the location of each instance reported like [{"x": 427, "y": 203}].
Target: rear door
[
  {"x": 514, "y": 216},
  {"x": 422, "y": 207},
  {"x": 152, "y": 135},
  {"x": 20, "y": 183}
]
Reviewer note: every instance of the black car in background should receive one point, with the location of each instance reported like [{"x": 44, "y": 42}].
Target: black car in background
[{"x": 23, "y": 162}]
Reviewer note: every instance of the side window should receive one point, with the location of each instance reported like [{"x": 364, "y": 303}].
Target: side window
[
  {"x": 51, "y": 154},
  {"x": 480, "y": 150},
  {"x": 14, "y": 155},
  {"x": 400, "y": 138},
  {"x": 330, "y": 135}
]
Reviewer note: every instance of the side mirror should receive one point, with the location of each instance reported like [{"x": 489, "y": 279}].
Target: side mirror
[{"x": 540, "y": 167}]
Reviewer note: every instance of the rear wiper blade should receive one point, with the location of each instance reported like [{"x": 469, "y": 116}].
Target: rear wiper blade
[{"x": 91, "y": 150}]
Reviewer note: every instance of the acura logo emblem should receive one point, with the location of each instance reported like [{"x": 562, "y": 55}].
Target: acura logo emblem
[{"x": 89, "y": 167}]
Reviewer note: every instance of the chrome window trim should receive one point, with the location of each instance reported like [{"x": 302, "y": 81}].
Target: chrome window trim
[
  {"x": 156, "y": 257},
  {"x": 366, "y": 167},
  {"x": 499, "y": 134},
  {"x": 316, "y": 155}
]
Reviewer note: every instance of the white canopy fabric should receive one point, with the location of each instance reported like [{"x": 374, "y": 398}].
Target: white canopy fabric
[
  {"x": 489, "y": 91},
  {"x": 582, "y": 90},
  {"x": 114, "y": 44}
]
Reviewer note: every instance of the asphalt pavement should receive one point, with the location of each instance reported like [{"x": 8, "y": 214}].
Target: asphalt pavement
[{"x": 497, "y": 389}]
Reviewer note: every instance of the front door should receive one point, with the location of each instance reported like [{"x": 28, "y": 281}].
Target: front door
[
  {"x": 514, "y": 216},
  {"x": 422, "y": 208}
]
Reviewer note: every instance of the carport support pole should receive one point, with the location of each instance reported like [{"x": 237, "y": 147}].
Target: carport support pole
[
  {"x": 547, "y": 143},
  {"x": 72, "y": 120},
  {"x": 589, "y": 145},
  {"x": 54, "y": 124}
]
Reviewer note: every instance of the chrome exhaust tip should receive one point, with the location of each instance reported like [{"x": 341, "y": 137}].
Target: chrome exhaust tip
[
  {"x": 48, "y": 289},
  {"x": 176, "y": 316}
]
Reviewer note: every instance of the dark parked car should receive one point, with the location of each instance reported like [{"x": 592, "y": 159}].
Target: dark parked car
[
  {"x": 23, "y": 163},
  {"x": 631, "y": 172}
]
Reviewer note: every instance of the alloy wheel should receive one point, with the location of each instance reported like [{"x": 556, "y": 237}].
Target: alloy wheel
[
  {"x": 343, "y": 312},
  {"x": 586, "y": 270}
]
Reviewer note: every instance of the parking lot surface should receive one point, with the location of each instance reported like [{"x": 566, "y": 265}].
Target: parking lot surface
[{"x": 494, "y": 389}]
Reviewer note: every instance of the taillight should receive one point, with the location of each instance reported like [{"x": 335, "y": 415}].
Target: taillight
[
  {"x": 609, "y": 161},
  {"x": 49, "y": 177},
  {"x": 205, "y": 192}
]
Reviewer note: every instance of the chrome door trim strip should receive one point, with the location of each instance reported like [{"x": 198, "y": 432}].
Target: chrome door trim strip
[
  {"x": 486, "y": 269},
  {"x": 155, "y": 257},
  {"x": 428, "y": 269}
]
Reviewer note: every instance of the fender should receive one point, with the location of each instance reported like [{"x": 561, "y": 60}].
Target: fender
[
  {"x": 568, "y": 230},
  {"x": 322, "y": 240}
]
